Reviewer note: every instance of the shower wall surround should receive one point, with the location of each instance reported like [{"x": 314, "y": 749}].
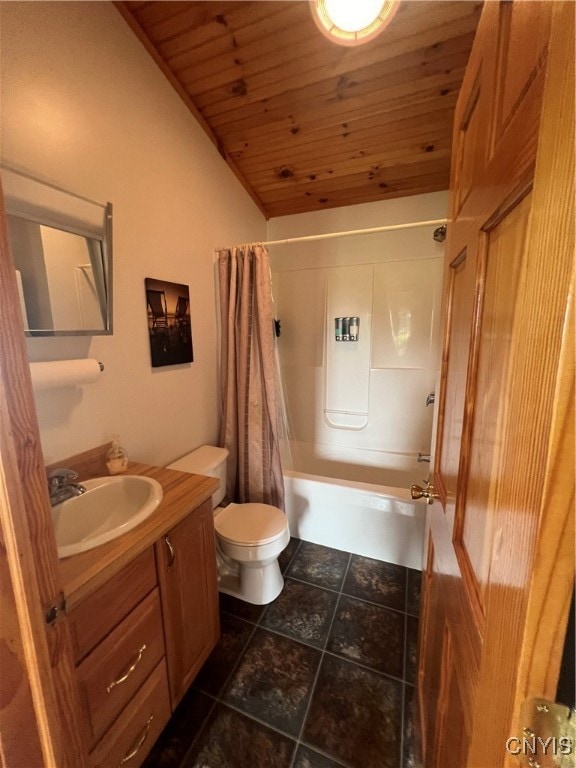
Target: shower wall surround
[{"x": 357, "y": 410}]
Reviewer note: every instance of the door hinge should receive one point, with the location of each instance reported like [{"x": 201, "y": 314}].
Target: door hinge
[
  {"x": 55, "y": 610},
  {"x": 548, "y": 737}
]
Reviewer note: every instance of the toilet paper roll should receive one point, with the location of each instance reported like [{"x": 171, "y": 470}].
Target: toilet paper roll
[{"x": 64, "y": 373}]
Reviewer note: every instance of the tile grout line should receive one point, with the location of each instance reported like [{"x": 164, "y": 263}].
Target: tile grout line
[
  {"x": 200, "y": 730},
  {"x": 234, "y": 616},
  {"x": 335, "y": 610},
  {"x": 256, "y": 719},
  {"x": 336, "y": 760},
  {"x": 316, "y": 676},
  {"x": 354, "y": 597},
  {"x": 356, "y": 663},
  {"x": 216, "y": 699},
  {"x": 403, "y": 704},
  {"x": 234, "y": 668},
  {"x": 291, "y": 637},
  {"x": 343, "y": 582},
  {"x": 404, "y": 666},
  {"x": 292, "y": 558},
  {"x": 283, "y": 573},
  {"x": 322, "y": 654},
  {"x": 334, "y": 592}
]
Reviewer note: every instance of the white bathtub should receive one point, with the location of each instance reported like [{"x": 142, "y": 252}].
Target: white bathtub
[
  {"x": 370, "y": 520},
  {"x": 360, "y": 465}
]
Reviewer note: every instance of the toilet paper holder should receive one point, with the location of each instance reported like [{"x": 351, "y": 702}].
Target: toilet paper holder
[{"x": 64, "y": 373}]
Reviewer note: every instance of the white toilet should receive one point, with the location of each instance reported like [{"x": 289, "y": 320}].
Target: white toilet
[{"x": 249, "y": 537}]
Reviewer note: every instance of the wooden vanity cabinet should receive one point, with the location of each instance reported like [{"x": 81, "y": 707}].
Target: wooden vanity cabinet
[
  {"x": 141, "y": 638},
  {"x": 114, "y": 672},
  {"x": 121, "y": 666},
  {"x": 187, "y": 578}
]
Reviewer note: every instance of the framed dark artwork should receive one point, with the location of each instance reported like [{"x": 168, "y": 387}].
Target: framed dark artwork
[{"x": 169, "y": 327}]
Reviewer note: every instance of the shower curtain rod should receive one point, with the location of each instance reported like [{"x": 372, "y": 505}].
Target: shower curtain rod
[{"x": 349, "y": 233}]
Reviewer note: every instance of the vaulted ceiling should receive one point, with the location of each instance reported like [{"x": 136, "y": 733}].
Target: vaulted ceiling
[{"x": 307, "y": 124}]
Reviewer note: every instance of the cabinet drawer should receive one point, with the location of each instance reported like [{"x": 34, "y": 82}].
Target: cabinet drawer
[
  {"x": 110, "y": 676},
  {"x": 96, "y": 616},
  {"x": 129, "y": 740}
]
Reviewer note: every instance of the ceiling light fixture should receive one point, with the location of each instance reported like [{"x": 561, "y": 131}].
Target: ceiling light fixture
[{"x": 352, "y": 22}]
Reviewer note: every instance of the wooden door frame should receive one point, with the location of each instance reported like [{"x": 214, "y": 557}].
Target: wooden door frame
[{"x": 40, "y": 702}]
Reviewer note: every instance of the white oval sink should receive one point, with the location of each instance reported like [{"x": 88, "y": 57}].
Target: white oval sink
[{"x": 110, "y": 507}]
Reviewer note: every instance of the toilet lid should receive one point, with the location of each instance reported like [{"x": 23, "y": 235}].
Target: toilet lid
[{"x": 250, "y": 524}]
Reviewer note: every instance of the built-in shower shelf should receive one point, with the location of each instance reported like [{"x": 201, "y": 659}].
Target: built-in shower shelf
[
  {"x": 347, "y": 369},
  {"x": 346, "y": 419}
]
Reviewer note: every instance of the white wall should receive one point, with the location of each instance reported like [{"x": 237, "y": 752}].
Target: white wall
[
  {"x": 84, "y": 107},
  {"x": 393, "y": 282}
]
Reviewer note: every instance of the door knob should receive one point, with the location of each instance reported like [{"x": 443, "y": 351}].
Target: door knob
[{"x": 427, "y": 493}]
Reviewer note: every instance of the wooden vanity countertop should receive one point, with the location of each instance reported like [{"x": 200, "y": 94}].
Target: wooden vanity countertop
[{"x": 183, "y": 492}]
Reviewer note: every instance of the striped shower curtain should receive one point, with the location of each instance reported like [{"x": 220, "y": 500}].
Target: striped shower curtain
[{"x": 249, "y": 390}]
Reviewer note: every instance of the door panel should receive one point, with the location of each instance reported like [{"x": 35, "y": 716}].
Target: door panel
[
  {"x": 452, "y": 734},
  {"x": 472, "y": 147},
  {"x": 431, "y": 649},
  {"x": 522, "y": 29},
  {"x": 474, "y": 518},
  {"x": 461, "y": 282}
]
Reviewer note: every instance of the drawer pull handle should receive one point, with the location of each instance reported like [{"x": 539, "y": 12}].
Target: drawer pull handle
[
  {"x": 171, "y": 551},
  {"x": 138, "y": 745},
  {"x": 128, "y": 672}
]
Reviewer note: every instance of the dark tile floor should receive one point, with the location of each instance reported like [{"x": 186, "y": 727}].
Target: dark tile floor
[{"x": 323, "y": 677}]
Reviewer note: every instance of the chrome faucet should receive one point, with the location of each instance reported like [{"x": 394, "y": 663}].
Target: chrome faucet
[{"x": 62, "y": 485}]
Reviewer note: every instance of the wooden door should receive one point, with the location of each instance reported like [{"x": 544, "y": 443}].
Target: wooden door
[
  {"x": 186, "y": 563},
  {"x": 500, "y": 564}
]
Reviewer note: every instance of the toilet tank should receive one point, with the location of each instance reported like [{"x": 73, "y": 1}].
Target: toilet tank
[{"x": 206, "y": 460}]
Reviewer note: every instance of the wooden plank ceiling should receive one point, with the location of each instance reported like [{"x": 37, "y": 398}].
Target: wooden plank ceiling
[{"x": 307, "y": 124}]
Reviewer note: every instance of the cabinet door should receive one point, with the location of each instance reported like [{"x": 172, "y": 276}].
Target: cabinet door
[{"x": 186, "y": 560}]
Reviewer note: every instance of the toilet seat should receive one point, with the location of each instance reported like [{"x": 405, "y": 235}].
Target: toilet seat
[{"x": 250, "y": 525}]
